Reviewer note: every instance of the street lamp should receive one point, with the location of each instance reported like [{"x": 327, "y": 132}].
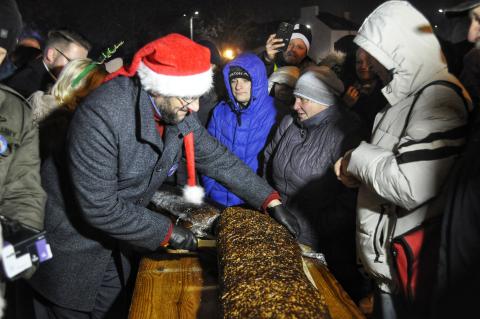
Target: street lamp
[
  {"x": 195, "y": 14},
  {"x": 228, "y": 54}
]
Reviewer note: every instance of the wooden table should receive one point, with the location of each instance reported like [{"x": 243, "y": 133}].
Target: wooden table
[{"x": 185, "y": 285}]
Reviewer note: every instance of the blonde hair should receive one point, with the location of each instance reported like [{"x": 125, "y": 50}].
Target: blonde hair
[{"x": 69, "y": 96}]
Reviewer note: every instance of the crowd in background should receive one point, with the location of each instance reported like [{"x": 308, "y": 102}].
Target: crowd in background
[{"x": 349, "y": 153}]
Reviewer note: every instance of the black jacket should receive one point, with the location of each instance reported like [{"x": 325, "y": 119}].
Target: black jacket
[
  {"x": 368, "y": 106},
  {"x": 30, "y": 78},
  {"x": 458, "y": 271}
]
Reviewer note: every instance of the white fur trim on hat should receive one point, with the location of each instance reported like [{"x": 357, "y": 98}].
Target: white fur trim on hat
[
  {"x": 173, "y": 85},
  {"x": 193, "y": 194},
  {"x": 300, "y": 36}
]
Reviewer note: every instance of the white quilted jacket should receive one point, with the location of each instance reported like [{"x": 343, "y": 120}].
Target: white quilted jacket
[{"x": 404, "y": 171}]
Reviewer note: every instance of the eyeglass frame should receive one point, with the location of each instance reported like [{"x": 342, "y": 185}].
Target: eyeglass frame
[
  {"x": 64, "y": 55},
  {"x": 187, "y": 102},
  {"x": 183, "y": 102}
]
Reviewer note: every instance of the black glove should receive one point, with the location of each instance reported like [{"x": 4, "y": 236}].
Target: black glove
[
  {"x": 284, "y": 217},
  {"x": 182, "y": 238}
]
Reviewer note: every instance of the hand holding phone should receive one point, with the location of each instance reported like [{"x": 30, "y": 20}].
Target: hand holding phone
[
  {"x": 278, "y": 41},
  {"x": 284, "y": 32}
]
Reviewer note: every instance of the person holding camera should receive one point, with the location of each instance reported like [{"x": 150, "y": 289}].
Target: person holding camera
[
  {"x": 21, "y": 197},
  {"x": 294, "y": 53}
]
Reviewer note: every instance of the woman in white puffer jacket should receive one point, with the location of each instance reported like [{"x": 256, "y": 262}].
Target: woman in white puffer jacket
[{"x": 402, "y": 173}]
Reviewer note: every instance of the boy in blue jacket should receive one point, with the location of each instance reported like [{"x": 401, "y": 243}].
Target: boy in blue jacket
[{"x": 243, "y": 122}]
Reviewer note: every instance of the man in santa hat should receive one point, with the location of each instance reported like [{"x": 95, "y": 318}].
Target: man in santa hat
[{"x": 125, "y": 139}]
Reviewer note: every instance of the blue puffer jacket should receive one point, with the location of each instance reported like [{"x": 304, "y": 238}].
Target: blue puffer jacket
[{"x": 243, "y": 131}]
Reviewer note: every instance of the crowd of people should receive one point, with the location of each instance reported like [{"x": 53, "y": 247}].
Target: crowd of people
[{"x": 349, "y": 153}]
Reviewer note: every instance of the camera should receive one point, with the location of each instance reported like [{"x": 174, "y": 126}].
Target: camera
[{"x": 24, "y": 247}]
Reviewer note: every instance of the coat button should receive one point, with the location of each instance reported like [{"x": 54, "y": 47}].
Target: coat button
[{"x": 180, "y": 135}]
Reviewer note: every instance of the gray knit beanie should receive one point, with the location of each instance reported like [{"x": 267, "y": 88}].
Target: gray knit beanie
[
  {"x": 319, "y": 84},
  {"x": 10, "y": 24}
]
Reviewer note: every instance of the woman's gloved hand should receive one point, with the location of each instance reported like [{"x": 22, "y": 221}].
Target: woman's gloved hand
[
  {"x": 182, "y": 238},
  {"x": 281, "y": 214}
]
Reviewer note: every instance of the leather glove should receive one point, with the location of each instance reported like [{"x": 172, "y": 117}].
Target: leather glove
[
  {"x": 281, "y": 214},
  {"x": 182, "y": 238}
]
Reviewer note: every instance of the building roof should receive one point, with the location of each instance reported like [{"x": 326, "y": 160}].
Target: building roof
[{"x": 337, "y": 23}]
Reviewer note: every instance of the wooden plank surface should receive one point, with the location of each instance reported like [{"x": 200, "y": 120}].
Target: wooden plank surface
[
  {"x": 185, "y": 285},
  {"x": 339, "y": 303},
  {"x": 176, "y": 286}
]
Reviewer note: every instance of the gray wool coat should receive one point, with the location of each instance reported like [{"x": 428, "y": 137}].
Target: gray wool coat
[{"x": 117, "y": 160}]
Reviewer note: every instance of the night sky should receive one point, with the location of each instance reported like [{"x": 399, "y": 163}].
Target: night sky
[{"x": 245, "y": 22}]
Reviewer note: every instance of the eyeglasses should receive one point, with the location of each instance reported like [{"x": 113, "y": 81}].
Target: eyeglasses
[
  {"x": 63, "y": 54},
  {"x": 185, "y": 103}
]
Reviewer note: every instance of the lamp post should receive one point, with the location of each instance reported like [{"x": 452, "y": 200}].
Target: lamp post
[{"x": 194, "y": 15}]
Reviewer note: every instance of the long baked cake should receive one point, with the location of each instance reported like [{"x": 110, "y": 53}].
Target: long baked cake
[{"x": 261, "y": 271}]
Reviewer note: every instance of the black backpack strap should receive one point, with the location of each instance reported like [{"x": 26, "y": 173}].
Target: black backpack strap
[{"x": 449, "y": 84}]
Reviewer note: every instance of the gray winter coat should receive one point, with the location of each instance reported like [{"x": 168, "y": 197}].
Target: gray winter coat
[
  {"x": 117, "y": 160},
  {"x": 299, "y": 166}
]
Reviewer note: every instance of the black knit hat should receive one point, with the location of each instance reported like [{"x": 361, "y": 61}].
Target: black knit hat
[
  {"x": 238, "y": 72},
  {"x": 301, "y": 31},
  {"x": 462, "y": 7},
  {"x": 10, "y": 24}
]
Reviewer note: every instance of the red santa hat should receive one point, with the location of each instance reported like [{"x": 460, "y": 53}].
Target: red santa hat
[
  {"x": 176, "y": 66},
  {"x": 172, "y": 65}
]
